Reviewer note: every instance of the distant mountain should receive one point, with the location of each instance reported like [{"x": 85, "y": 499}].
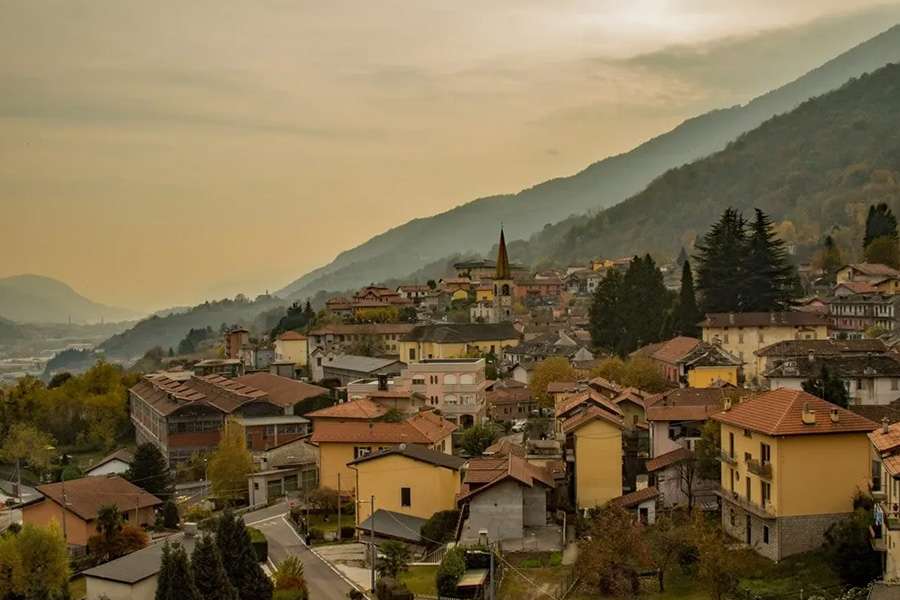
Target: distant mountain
[
  {"x": 472, "y": 227},
  {"x": 820, "y": 167},
  {"x": 37, "y": 299},
  {"x": 9, "y": 331}
]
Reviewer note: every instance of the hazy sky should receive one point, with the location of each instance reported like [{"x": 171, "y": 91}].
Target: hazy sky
[{"x": 159, "y": 153}]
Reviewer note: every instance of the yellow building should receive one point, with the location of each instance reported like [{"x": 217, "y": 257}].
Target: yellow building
[
  {"x": 408, "y": 479},
  {"x": 703, "y": 377},
  {"x": 484, "y": 293},
  {"x": 742, "y": 334},
  {"x": 341, "y": 441},
  {"x": 457, "y": 341},
  {"x": 292, "y": 346},
  {"x": 791, "y": 466},
  {"x": 595, "y": 435}
]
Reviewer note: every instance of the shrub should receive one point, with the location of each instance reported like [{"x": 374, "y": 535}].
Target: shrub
[
  {"x": 260, "y": 544},
  {"x": 441, "y": 526},
  {"x": 348, "y": 532},
  {"x": 556, "y": 559},
  {"x": 197, "y": 514},
  {"x": 450, "y": 572},
  {"x": 316, "y": 534}
]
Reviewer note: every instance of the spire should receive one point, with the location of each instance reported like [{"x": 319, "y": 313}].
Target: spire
[{"x": 502, "y": 259}]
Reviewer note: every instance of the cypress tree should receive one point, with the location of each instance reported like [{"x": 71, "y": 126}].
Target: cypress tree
[
  {"x": 880, "y": 222},
  {"x": 150, "y": 471},
  {"x": 209, "y": 572},
  {"x": 687, "y": 315},
  {"x": 827, "y": 387},
  {"x": 720, "y": 265},
  {"x": 606, "y": 319},
  {"x": 239, "y": 559},
  {"x": 770, "y": 277},
  {"x": 175, "y": 580}
]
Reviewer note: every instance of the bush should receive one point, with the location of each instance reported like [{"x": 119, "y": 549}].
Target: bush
[
  {"x": 197, "y": 514},
  {"x": 450, "y": 572},
  {"x": 260, "y": 543},
  {"x": 348, "y": 532},
  {"x": 316, "y": 534},
  {"x": 356, "y": 595},
  {"x": 556, "y": 559},
  {"x": 849, "y": 549},
  {"x": 440, "y": 527},
  {"x": 290, "y": 595}
]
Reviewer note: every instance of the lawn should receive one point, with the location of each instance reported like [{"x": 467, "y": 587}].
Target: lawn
[
  {"x": 319, "y": 522},
  {"x": 420, "y": 580}
]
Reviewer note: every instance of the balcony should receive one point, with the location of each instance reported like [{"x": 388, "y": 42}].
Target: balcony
[
  {"x": 760, "y": 468},
  {"x": 876, "y": 491},
  {"x": 891, "y": 515},
  {"x": 727, "y": 458},
  {"x": 765, "y": 512}
]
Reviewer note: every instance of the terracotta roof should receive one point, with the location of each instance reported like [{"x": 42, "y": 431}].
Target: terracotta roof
[
  {"x": 418, "y": 453},
  {"x": 573, "y": 423},
  {"x": 634, "y": 498},
  {"x": 845, "y": 366},
  {"x": 85, "y": 496},
  {"x": 670, "y": 351},
  {"x": 504, "y": 446},
  {"x": 423, "y": 428},
  {"x": 886, "y": 441},
  {"x": 282, "y": 391},
  {"x": 462, "y": 333},
  {"x": 892, "y": 464},
  {"x": 588, "y": 397},
  {"x": 764, "y": 319},
  {"x": 877, "y": 412},
  {"x": 508, "y": 395},
  {"x": 669, "y": 458},
  {"x": 362, "y": 408},
  {"x": 483, "y": 473},
  {"x": 858, "y": 287},
  {"x": 363, "y": 329},
  {"x": 685, "y": 404},
  {"x": 561, "y": 387},
  {"x": 821, "y": 347},
  {"x": 873, "y": 269},
  {"x": 630, "y": 394},
  {"x": 166, "y": 395},
  {"x": 601, "y": 384},
  {"x": 291, "y": 336},
  {"x": 779, "y": 412},
  {"x": 431, "y": 425}
]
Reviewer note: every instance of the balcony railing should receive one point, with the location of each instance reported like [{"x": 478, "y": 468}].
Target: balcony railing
[
  {"x": 891, "y": 515},
  {"x": 727, "y": 458},
  {"x": 766, "y": 511},
  {"x": 760, "y": 468}
]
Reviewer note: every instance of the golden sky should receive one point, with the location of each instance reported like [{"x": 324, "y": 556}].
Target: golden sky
[{"x": 161, "y": 153}]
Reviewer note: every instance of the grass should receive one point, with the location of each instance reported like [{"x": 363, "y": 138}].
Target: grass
[
  {"x": 420, "y": 580},
  {"x": 318, "y": 522},
  {"x": 78, "y": 588}
]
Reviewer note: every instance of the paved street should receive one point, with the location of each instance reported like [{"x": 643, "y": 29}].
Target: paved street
[{"x": 323, "y": 583}]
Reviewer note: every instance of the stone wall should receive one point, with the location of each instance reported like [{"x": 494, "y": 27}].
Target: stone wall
[
  {"x": 499, "y": 510},
  {"x": 535, "y": 506}
]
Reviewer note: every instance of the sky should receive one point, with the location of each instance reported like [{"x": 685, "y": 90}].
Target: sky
[{"x": 155, "y": 154}]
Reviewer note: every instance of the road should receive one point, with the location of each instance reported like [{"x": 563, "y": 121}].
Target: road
[{"x": 321, "y": 581}]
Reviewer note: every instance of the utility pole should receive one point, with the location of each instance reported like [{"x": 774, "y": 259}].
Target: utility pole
[
  {"x": 372, "y": 538},
  {"x": 491, "y": 589},
  {"x": 339, "y": 509},
  {"x": 65, "y": 507}
]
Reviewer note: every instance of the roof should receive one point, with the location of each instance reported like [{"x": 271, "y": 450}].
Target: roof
[
  {"x": 765, "y": 319},
  {"x": 122, "y": 454},
  {"x": 485, "y": 472},
  {"x": 139, "y": 565},
  {"x": 85, "y": 496},
  {"x": 282, "y": 391},
  {"x": 858, "y": 287},
  {"x": 877, "y": 412},
  {"x": 418, "y": 453},
  {"x": 821, "y": 347},
  {"x": 685, "y": 404},
  {"x": 561, "y": 387},
  {"x": 857, "y": 366},
  {"x": 361, "y": 408},
  {"x": 423, "y": 428},
  {"x": 462, "y": 333},
  {"x": 508, "y": 395},
  {"x": 668, "y": 459},
  {"x": 360, "y": 364},
  {"x": 602, "y": 384},
  {"x": 589, "y": 396},
  {"x": 273, "y": 420},
  {"x": 166, "y": 395},
  {"x": 504, "y": 446},
  {"x": 632, "y": 395},
  {"x": 634, "y": 498},
  {"x": 586, "y": 416},
  {"x": 670, "y": 351},
  {"x": 873, "y": 269},
  {"x": 291, "y": 336},
  {"x": 362, "y": 329},
  {"x": 886, "y": 441},
  {"x": 390, "y": 524},
  {"x": 779, "y": 412}
]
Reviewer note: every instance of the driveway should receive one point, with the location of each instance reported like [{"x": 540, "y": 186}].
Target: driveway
[{"x": 322, "y": 581}]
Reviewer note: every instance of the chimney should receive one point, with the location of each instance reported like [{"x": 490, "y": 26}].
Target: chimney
[
  {"x": 808, "y": 417},
  {"x": 835, "y": 415},
  {"x": 885, "y": 425}
]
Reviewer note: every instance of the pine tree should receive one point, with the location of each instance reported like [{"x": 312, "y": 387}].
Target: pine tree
[
  {"x": 687, "y": 315},
  {"x": 720, "y": 265},
  {"x": 175, "y": 580},
  {"x": 645, "y": 302},
  {"x": 606, "y": 322},
  {"x": 150, "y": 471},
  {"x": 827, "y": 387},
  {"x": 239, "y": 559},
  {"x": 770, "y": 277},
  {"x": 880, "y": 222},
  {"x": 209, "y": 572}
]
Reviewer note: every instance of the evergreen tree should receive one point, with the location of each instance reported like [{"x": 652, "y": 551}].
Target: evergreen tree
[
  {"x": 883, "y": 250},
  {"x": 239, "y": 559},
  {"x": 606, "y": 322},
  {"x": 209, "y": 572},
  {"x": 720, "y": 265},
  {"x": 769, "y": 277},
  {"x": 682, "y": 257},
  {"x": 170, "y": 516},
  {"x": 687, "y": 314},
  {"x": 828, "y": 387},
  {"x": 150, "y": 471},
  {"x": 645, "y": 302},
  {"x": 880, "y": 222},
  {"x": 175, "y": 580}
]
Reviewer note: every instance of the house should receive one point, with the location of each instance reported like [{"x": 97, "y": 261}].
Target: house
[
  {"x": 521, "y": 372},
  {"x": 509, "y": 400},
  {"x": 868, "y": 379},
  {"x": 675, "y": 475},
  {"x": 235, "y": 340},
  {"x": 457, "y": 340},
  {"x": 642, "y": 503},
  {"x": 266, "y": 486},
  {"x": 884, "y": 488},
  {"x": 292, "y": 346},
  {"x": 357, "y": 409},
  {"x": 505, "y": 496},
  {"x": 574, "y": 403},
  {"x": 851, "y": 315},
  {"x": 773, "y": 354},
  {"x": 341, "y": 441},
  {"x": 559, "y": 391},
  {"x": 74, "y": 505},
  {"x": 340, "y": 337},
  {"x": 478, "y": 270},
  {"x": 552, "y": 344},
  {"x": 594, "y": 447},
  {"x": 676, "y": 417},
  {"x": 345, "y": 368},
  {"x": 865, "y": 272},
  {"x": 792, "y": 464},
  {"x": 667, "y": 356},
  {"x": 407, "y": 479},
  {"x": 186, "y": 415},
  {"x": 414, "y": 292},
  {"x": 742, "y": 334},
  {"x": 133, "y": 576},
  {"x": 116, "y": 463},
  {"x": 227, "y": 367}
]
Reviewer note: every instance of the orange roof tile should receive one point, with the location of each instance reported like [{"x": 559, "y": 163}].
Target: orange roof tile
[
  {"x": 886, "y": 441},
  {"x": 423, "y": 428},
  {"x": 291, "y": 336},
  {"x": 85, "y": 496},
  {"x": 573, "y": 423},
  {"x": 588, "y": 397},
  {"x": 669, "y": 351},
  {"x": 361, "y": 408},
  {"x": 634, "y": 498},
  {"x": 669, "y": 458},
  {"x": 484, "y": 472}
]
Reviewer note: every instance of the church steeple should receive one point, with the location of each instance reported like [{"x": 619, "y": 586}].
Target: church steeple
[{"x": 503, "y": 271}]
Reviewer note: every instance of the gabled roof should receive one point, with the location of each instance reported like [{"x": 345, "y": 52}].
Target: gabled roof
[
  {"x": 858, "y": 366},
  {"x": 670, "y": 351},
  {"x": 504, "y": 446},
  {"x": 634, "y": 498},
  {"x": 886, "y": 441},
  {"x": 417, "y": 453},
  {"x": 360, "y": 364},
  {"x": 485, "y": 472},
  {"x": 573, "y": 423},
  {"x": 291, "y": 336},
  {"x": 779, "y": 412},
  {"x": 122, "y": 454},
  {"x": 685, "y": 404},
  {"x": 858, "y": 287},
  {"x": 821, "y": 347},
  {"x": 138, "y": 566},
  {"x": 605, "y": 385},
  {"x": 85, "y": 496},
  {"x": 873, "y": 269},
  {"x": 282, "y": 391},
  {"x": 561, "y": 387},
  {"x": 631, "y": 394},
  {"x": 361, "y": 408},
  {"x": 462, "y": 333},
  {"x": 668, "y": 459},
  {"x": 424, "y": 428},
  {"x": 765, "y": 319},
  {"x": 394, "y": 525},
  {"x": 589, "y": 397}
]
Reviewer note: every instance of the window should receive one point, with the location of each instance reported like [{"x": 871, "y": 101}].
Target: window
[
  {"x": 412, "y": 354},
  {"x": 733, "y": 520},
  {"x": 731, "y": 444},
  {"x": 740, "y": 336},
  {"x": 876, "y": 476},
  {"x": 895, "y": 384},
  {"x": 733, "y": 477},
  {"x": 255, "y": 485},
  {"x": 748, "y": 457},
  {"x": 749, "y": 490},
  {"x": 405, "y": 497},
  {"x": 748, "y": 433},
  {"x": 765, "y": 453},
  {"x": 765, "y": 490},
  {"x": 761, "y": 337},
  {"x": 765, "y": 534}
]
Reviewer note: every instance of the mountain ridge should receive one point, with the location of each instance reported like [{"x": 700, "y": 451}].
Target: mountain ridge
[{"x": 30, "y": 298}]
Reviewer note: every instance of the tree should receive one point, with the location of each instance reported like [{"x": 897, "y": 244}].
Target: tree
[
  {"x": 665, "y": 543},
  {"x": 366, "y": 345},
  {"x": 606, "y": 320},
  {"x": 25, "y": 443},
  {"x": 883, "y": 250},
  {"x": 230, "y": 463},
  {"x": 114, "y": 538},
  {"x": 720, "y": 265},
  {"x": 611, "y": 369},
  {"x": 849, "y": 549},
  {"x": 640, "y": 372},
  {"x": 34, "y": 564},
  {"x": 170, "y": 516},
  {"x": 209, "y": 572},
  {"x": 477, "y": 438},
  {"x": 240, "y": 558},
  {"x": 612, "y": 557},
  {"x": 687, "y": 313},
  {"x": 408, "y": 314},
  {"x": 289, "y": 576},
  {"x": 150, "y": 471},
  {"x": 828, "y": 387},
  {"x": 175, "y": 580},
  {"x": 450, "y": 571},
  {"x": 829, "y": 258},
  {"x": 880, "y": 222},
  {"x": 718, "y": 567},
  {"x": 440, "y": 527},
  {"x": 707, "y": 451},
  {"x": 395, "y": 560},
  {"x": 549, "y": 370},
  {"x": 770, "y": 278}
]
